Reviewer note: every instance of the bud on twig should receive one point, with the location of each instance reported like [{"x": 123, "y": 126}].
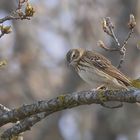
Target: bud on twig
[
  {"x": 5, "y": 29},
  {"x": 109, "y": 23},
  {"x": 132, "y": 22},
  {"x": 104, "y": 26},
  {"x": 29, "y": 10},
  {"x": 101, "y": 44},
  {"x": 3, "y": 63}
]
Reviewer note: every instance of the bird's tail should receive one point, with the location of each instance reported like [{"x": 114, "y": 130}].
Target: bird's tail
[{"x": 136, "y": 83}]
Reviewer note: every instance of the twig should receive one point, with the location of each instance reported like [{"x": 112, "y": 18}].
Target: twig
[
  {"x": 21, "y": 2},
  {"x": 111, "y": 29},
  {"x": 121, "y": 61},
  {"x": 114, "y": 37},
  {"x": 101, "y": 44},
  {"x": 108, "y": 28},
  {"x": 123, "y": 49},
  {"x": 10, "y": 17},
  {"x": 127, "y": 38},
  {"x": 18, "y": 14},
  {"x": 1, "y": 35}
]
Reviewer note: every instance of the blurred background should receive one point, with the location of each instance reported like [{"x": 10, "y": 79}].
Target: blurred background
[{"x": 37, "y": 68}]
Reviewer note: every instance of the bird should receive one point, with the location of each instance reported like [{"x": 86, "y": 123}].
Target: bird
[{"x": 93, "y": 68}]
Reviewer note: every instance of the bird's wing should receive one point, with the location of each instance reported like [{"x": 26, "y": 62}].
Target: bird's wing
[{"x": 102, "y": 63}]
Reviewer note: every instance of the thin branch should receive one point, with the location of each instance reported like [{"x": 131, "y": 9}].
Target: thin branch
[
  {"x": 59, "y": 103},
  {"x": 121, "y": 60},
  {"x": 21, "y": 2},
  {"x": 127, "y": 38},
  {"x": 101, "y": 44},
  {"x": 10, "y": 17},
  {"x": 114, "y": 37},
  {"x": 7, "y": 18},
  {"x": 20, "y": 13},
  {"x": 123, "y": 49},
  {"x": 2, "y": 34},
  {"x": 111, "y": 29},
  {"x": 108, "y": 28}
]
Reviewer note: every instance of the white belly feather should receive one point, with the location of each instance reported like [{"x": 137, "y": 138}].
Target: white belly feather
[{"x": 97, "y": 77}]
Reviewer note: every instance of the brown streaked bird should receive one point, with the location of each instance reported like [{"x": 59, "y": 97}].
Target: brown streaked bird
[{"x": 95, "y": 68}]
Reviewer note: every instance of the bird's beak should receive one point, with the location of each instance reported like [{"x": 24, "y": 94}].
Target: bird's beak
[{"x": 73, "y": 64}]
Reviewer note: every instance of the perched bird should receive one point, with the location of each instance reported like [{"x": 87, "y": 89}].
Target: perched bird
[{"x": 95, "y": 68}]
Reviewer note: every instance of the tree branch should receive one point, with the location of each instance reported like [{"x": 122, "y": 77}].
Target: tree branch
[
  {"x": 29, "y": 114},
  {"x": 23, "y": 125},
  {"x": 3, "y": 109}
]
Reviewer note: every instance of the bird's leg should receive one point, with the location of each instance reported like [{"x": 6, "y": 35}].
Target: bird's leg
[
  {"x": 103, "y": 98},
  {"x": 101, "y": 87}
]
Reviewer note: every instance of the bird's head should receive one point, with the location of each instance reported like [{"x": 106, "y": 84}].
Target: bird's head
[{"x": 73, "y": 56}]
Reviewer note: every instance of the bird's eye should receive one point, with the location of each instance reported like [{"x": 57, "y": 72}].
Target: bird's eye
[{"x": 74, "y": 56}]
